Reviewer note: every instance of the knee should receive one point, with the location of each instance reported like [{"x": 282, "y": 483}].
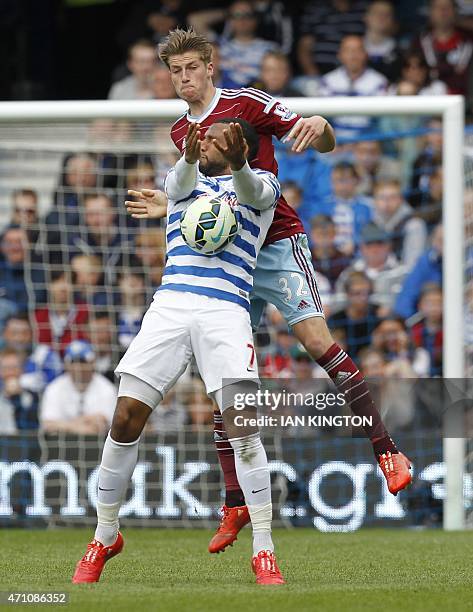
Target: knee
[{"x": 129, "y": 419}]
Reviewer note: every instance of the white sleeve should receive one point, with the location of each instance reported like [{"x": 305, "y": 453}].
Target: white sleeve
[
  {"x": 181, "y": 180},
  {"x": 50, "y": 409},
  {"x": 257, "y": 190}
]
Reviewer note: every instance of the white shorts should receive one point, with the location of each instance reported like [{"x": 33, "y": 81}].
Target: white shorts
[{"x": 178, "y": 325}]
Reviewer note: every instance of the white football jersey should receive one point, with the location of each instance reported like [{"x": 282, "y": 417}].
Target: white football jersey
[{"x": 227, "y": 275}]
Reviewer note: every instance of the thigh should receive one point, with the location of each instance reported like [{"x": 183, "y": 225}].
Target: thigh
[
  {"x": 222, "y": 343},
  {"x": 161, "y": 351},
  {"x": 285, "y": 277}
]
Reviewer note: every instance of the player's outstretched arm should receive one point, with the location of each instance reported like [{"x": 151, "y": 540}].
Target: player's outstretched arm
[
  {"x": 149, "y": 204},
  {"x": 250, "y": 188},
  {"x": 182, "y": 179},
  {"x": 315, "y": 132}
]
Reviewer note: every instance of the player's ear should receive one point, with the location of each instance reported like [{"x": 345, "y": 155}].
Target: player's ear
[{"x": 210, "y": 69}]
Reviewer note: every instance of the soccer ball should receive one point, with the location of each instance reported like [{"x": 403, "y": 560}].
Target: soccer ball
[{"x": 208, "y": 225}]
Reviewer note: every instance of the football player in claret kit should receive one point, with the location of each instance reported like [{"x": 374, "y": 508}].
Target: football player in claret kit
[
  {"x": 284, "y": 275},
  {"x": 201, "y": 309}
]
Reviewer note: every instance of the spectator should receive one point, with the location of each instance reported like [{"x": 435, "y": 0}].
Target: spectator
[
  {"x": 292, "y": 193},
  {"x": 163, "y": 18},
  {"x": 18, "y": 406},
  {"x": 13, "y": 257},
  {"x": 322, "y": 27},
  {"x": 132, "y": 306},
  {"x": 407, "y": 233},
  {"x": 103, "y": 135},
  {"x": 431, "y": 207},
  {"x": 242, "y": 52},
  {"x": 100, "y": 236},
  {"x": 25, "y": 213},
  {"x": 275, "y": 76},
  {"x": 80, "y": 174},
  {"x": 387, "y": 382},
  {"x": 199, "y": 406},
  {"x": 170, "y": 415},
  {"x": 41, "y": 364},
  {"x": 372, "y": 166},
  {"x": 392, "y": 339},
  {"x": 415, "y": 71},
  {"x": 311, "y": 172},
  {"x": 141, "y": 64},
  {"x": 426, "y": 163},
  {"x": 427, "y": 333},
  {"x": 150, "y": 251},
  {"x": 140, "y": 175},
  {"x": 380, "y": 265},
  {"x": 62, "y": 320},
  {"x": 102, "y": 336},
  {"x": 427, "y": 269},
  {"x": 273, "y": 23},
  {"x": 353, "y": 78},
  {"x": 161, "y": 83},
  {"x": 446, "y": 48},
  {"x": 326, "y": 257},
  {"x": 350, "y": 212},
  {"x": 87, "y": 278},
  {"x": 303, "y": 365},
  {"x": 359, "y": 317},
  {"x": 380, "y": 42},
  {"x": 278, "y": 363},
  {"x": 80, "y": 401},
  {"x": 217, "y": 73}
]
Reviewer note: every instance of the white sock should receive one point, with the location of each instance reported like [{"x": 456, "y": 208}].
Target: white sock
[
  {"x": 252, "y": 471},
  {"x": 116, "y": 468}
]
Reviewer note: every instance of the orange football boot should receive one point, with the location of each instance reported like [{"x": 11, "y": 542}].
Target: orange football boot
[
  {"x": 89, "y": 568},
  {"x": 396, "y": 470},
  {"x": 233, "y": 520},
  {"x": 266, "y": 569}
]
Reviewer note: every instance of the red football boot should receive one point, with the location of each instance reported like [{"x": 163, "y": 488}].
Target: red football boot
[
  {"x": 266, "y": 569},
  {"x": 89, "y": 568},
  {"x": 395, "y": 467},
  {"x": 233, "y": 520}
]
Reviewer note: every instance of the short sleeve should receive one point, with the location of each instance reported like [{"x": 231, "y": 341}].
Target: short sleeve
[{"x": 268, "y": 115}]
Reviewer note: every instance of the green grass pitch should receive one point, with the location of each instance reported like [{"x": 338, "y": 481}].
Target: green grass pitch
[{"x": 171, "y": 570}]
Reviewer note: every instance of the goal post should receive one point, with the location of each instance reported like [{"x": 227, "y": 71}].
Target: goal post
[{"x": 449, "y": 108}]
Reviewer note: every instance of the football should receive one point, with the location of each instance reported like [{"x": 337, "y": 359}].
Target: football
[{"x": 208, "y": 225}]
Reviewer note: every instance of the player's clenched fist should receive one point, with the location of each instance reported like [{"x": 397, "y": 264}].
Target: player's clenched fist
[
  {"x": 236, "y": 148},
  {"x": 192, "y": 152}
]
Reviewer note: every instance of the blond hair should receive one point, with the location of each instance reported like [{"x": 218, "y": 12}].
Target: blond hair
[{"x": 180, "y": 41}]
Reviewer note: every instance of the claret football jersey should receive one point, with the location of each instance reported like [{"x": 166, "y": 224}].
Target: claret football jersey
[{"x": 270, "y": 118}]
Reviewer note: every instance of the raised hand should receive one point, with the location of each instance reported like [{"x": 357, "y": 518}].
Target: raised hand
[
  {"x": 192, "y": 152},
  {"x": 150, "y": 204},
  {"x": 236, "y": 149}
]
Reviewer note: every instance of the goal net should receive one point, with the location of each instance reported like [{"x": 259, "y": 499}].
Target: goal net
[{"x": 65, "y": 171}]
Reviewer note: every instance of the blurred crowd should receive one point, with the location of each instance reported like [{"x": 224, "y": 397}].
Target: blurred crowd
[{"x": 76, "y": 281}]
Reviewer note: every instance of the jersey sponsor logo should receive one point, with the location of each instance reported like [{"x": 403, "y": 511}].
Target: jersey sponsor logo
[{"x": 282, "y": 111}]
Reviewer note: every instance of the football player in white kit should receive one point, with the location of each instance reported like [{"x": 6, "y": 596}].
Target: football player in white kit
[{"x": 201, "y": 309}]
